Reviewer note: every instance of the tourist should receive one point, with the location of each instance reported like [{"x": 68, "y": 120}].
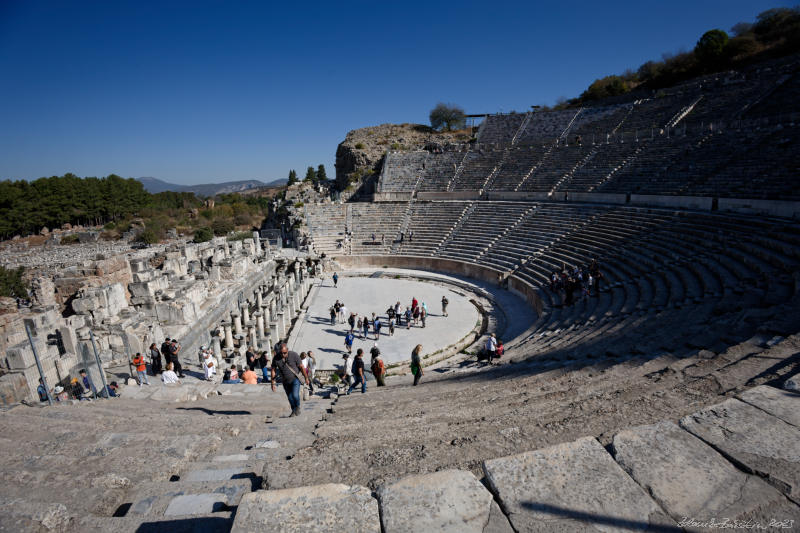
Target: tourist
[
  {"x": 348, "y": 342},
  {"x": 335, "y": 280},
  {"x": 250, "y": 358},
  {"x": 209, "y": 366},
  {"x": 235, "y": 374},
  {"x": 408, "y": 318},
  {"x": 332, "y": 311},
  {"x": 411, "y": 236},
  {"x": 76, "y": 390},
  {"x": 166, "y": 352},
  {"x": 358, "y": 373},
  {"x": 174, "y": 350},
  {"x": 312, "y": 370},
  {"x": 155, "y": 360},
  {"x": 262, "y": 363},
  {"x": 169, "y": 376},
  {"x": 378, "y": 368},
  {"x": 112, "y": 389},
  {"x": 444, "y": 305},
  {"x": 351, "y": 321},
  {"x": 60, "y": 395},
  {"x": 423, "y": 314},
  {"x": 416, "y": 313},
  {"x": 491, "y": 347},
  {"x": 249, "y": 377},
  {"x": 365, "y": 326},
  {"x": 347, "y": 366},
  {"x": 342, "y": 313},
  {"x": 501, "y": 349},
  {"x": 288, "y": 365},
  {"x": 414, "y": 303},
  {"x": 42, "y": 391},
  {"x": 376, "y": 324},
  {"x": 397, "y": 312},
  {"x": 88, "y": 386},
  {"x": 140, "y": 365},
  {"x": 416, "y": 363},
  {"x": 391, "y": 327}
]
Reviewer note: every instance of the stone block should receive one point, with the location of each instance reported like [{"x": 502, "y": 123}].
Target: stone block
[
  {"x": 688, "y": 478},
  {"x": 20, "y": 356},
  {"x": 192, "y": 504},
  {"x": 755, "y": 441},
  {"x": 447, "y": 501},
  {"x": 574, "y": 486},
  {"x": 780, "y": 403},
  {"x": 330, "y": 507},
  {"x": 793, "y": 383},
  {"x": 220, "y": 474},
  {"x": 13, "y": 388}
]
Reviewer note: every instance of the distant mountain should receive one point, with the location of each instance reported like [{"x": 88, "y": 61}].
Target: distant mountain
[{"x": 154, "y": 185}]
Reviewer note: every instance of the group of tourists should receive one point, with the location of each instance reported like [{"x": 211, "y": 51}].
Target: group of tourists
[
  {"x": 81, "y": 388},
  {"x": 585, "y": 281}
]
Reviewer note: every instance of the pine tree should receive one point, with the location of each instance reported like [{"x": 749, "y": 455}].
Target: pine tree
[
  {"x": 292, "y": 177},
  {"x": 321, "y": 175},
  {"x": 310, "y": 175}
]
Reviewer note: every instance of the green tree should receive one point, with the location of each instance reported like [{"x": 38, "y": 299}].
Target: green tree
[
  {"x": 321, "y": 175},
  {"x": 311, "y": 175},
  {"x": 203, "y": 234},
  {"x": 447, "y": 117},
  {"x": 710, "y": 47},
  {"x": 292, "y": 177},
  {"x": 12, "y": 284}
]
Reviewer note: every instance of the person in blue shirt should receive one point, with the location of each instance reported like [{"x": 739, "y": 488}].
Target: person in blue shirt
[{"x": 348, "y": 341}]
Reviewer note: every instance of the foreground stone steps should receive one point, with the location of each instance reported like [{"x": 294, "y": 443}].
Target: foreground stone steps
[{"x": 652, "y": 478}]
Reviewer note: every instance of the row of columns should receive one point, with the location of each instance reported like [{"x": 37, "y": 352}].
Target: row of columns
[{"x": 269, "y": 322}]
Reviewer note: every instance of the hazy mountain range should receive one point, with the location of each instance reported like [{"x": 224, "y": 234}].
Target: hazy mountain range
[{"x": 155, "y": 185}]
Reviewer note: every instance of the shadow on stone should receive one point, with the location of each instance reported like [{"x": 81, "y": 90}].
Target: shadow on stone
[
  {"x": 212, "y": 412},
  {"x": 598, "y": 519}
]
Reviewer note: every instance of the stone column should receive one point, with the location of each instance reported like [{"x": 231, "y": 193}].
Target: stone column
[
  {"x": 267, "y": 345},
  {"x": 251, "y": 334},
  {"x": 216, "y": 345},
  {"x": 257, "y": 242},
  {"x": 273, "y": 331},
  {"x": 259, "y": 298},
  {"x": 246, "y": 312},
  {"x": 259, "y": 324},
  {"x": 290, "y": 308},
  {"x": 265, "y": 312},
  {"x": 237, "y": 323},
  {"x": 228, "y": 335},
  {"x": 281, "y": 324}
]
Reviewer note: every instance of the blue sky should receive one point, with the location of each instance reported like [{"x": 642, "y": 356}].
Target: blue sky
[{"x": 195, "y": 92}]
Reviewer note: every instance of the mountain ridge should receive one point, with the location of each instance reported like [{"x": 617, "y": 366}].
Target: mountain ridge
[{"x": 155, "y": 185}]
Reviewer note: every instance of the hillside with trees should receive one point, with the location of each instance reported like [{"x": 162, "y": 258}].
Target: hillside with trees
[
  {"x": 775, "y": 33},
  {"x": 118, "y": 205}
]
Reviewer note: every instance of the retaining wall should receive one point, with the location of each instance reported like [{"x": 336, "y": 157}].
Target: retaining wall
[
  {"x": 777, "y": 208},
  {"x": 702, "y": 203}
]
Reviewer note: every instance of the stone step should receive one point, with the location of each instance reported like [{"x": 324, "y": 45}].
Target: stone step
[
  {"x": 755, "y": 441},
  {"x": 155, "y": 499},
  {"x": 570, "y": 487},
  {"x": 331, "y": 507},
  {"x": 220, "y": 522},
  {"x": 690, "y": 479}
]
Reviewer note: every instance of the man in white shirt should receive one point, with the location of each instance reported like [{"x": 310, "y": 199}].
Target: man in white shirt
[{"x": 491, "y": 348}]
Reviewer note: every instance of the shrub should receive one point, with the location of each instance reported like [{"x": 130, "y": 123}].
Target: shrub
[
  {"x": 396, "y": 146},
  {"x": 299, "y": 204},
  {"x": 148, "y": 236},
  {"x": 12, "y": 284},
  {"x": 222, "y": 226},
  {"x": 70, "y": 239},
  {"x": 240, "y": 236},
  {"x": 359, "y": 146},
  {"x": 203, "y": 234},
  {"x": 110, "y": 225}
]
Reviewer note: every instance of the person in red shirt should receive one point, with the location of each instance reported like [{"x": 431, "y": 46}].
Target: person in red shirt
[{"x": 141, "y": 369}]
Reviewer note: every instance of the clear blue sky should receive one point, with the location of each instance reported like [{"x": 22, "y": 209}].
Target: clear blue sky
[{"x": 199, "y": 91}]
